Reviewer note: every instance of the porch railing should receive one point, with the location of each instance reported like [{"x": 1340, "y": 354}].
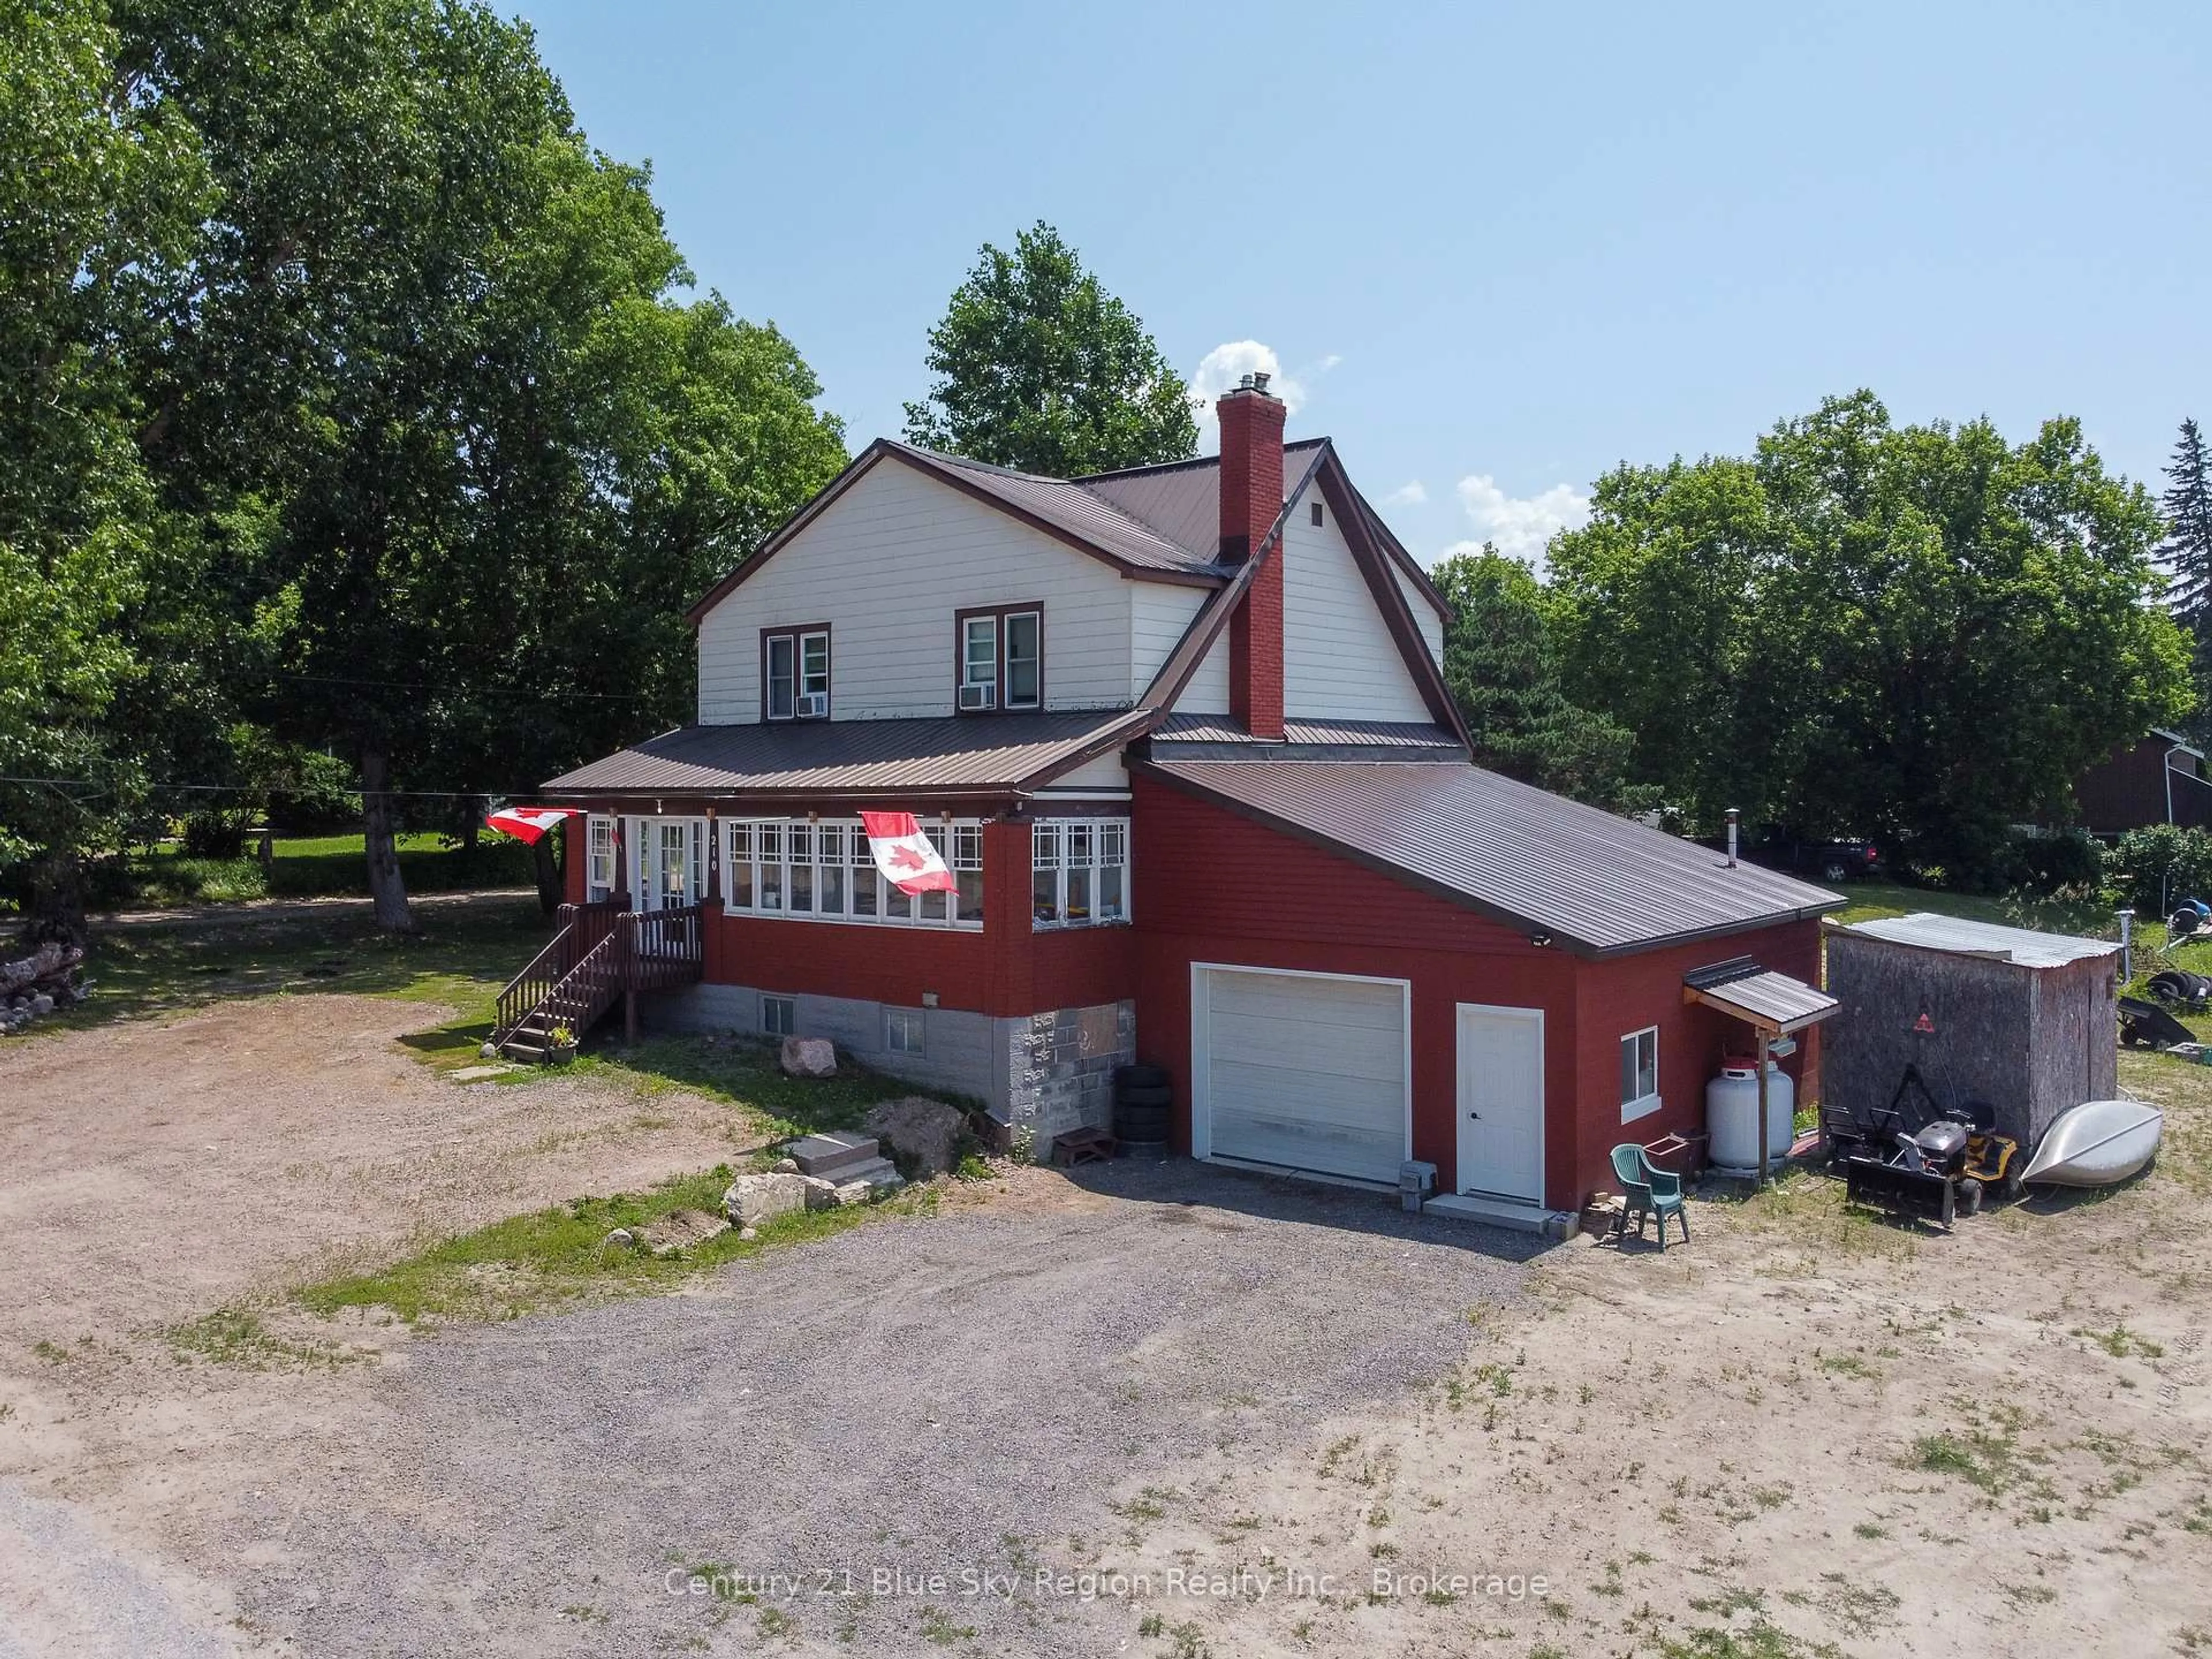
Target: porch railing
[{"x": 599, "y": 951}]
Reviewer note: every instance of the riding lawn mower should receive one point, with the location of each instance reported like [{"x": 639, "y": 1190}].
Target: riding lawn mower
[{"x": 1915, "y": 1157}]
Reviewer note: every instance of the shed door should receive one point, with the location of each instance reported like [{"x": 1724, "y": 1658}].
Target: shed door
[
  {"x": 1306, "y": 1072},
  {"x": 1501, "y": 1101}
]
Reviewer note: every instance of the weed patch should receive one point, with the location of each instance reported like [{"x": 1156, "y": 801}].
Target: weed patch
[{"x": 556, "y": 1255}]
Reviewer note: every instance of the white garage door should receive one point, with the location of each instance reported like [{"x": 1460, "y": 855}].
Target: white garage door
[{"x": 1303, "y": 1071}]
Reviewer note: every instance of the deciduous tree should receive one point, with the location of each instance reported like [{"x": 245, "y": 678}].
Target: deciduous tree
[
  {"x": 1039, "y": 368},
  {"x": 1921, "y": 633}
]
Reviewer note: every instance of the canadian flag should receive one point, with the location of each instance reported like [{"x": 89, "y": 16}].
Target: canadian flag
[
  {"x": 527, "y": 823},
  {"x": 904, "y": 854}
]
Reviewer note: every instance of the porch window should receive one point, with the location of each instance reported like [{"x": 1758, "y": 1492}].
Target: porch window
[
  {"x": 795, "y": 674},
  {"x": 1078, "y": 872},
  {"x": 825, "y": 870},
  {"x": 1639, "y": 1074},
  {"x": 599, "y": 864},
  {"x": 966, "y": 862}
]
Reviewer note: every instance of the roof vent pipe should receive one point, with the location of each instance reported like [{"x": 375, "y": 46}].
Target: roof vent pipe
[{"x": 1732, "y": 816}]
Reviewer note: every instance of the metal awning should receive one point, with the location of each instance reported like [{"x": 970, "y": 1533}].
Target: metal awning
[{"x": 1774, "y": 1002}]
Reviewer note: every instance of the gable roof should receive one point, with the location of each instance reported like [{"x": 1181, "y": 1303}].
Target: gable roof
[{"x": 1600, "y": 884}]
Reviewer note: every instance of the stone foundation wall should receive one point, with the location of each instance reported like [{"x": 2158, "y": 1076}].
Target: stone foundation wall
[
  {"x": 1059, "y": 1069},
  {"x": 1041, "y": 1075}
]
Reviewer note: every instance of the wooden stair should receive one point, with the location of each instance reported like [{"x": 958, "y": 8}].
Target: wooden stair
[{"x": 600, "y": 954}]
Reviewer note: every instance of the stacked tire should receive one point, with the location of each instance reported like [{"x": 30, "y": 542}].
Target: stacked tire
[{"x": 1142, "y": 1098}]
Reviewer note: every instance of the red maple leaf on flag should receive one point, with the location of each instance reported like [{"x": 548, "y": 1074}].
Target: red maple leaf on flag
[{"x": 905, "y": 858}]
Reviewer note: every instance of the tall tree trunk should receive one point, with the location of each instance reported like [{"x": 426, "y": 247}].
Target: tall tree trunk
[
  {"x": 56, "y": 911},
  {"x": 551, "y": 869},
  {"x": 385, "y": 885}
]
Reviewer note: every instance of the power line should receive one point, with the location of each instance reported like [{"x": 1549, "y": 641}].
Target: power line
[
  {"x": 471, "y": 691},
  {"x": 255, "y": 789}
]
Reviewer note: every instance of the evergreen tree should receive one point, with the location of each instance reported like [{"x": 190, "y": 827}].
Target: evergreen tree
[{"x": 2186, "y": 553}]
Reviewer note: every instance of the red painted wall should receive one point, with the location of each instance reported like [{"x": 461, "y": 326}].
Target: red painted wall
[
  {"x": 1005, "y": 968},
  {"x": 575, "y": 853},
  {"x": 1260, "y": 899}
]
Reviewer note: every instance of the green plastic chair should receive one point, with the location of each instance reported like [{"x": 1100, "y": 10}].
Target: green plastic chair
[{"x": 1651, "y": 1193}]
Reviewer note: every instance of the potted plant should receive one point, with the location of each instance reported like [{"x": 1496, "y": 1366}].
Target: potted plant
[{"x": 560, "y": 1043}]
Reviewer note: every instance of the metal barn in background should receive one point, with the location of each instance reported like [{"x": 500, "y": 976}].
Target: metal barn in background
[{"x": 2028, "y": 1021}]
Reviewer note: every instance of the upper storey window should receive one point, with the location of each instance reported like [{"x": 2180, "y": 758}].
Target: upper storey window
[
  {"x": 999, "y": 658},
  {"x": 795, "y": 673}
]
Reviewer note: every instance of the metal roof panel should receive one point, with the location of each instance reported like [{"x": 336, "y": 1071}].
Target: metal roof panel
[{"x": 1533, "y": 858}]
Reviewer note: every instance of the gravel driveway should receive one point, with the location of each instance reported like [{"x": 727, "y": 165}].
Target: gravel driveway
[{"x": 966, "y": 1392}]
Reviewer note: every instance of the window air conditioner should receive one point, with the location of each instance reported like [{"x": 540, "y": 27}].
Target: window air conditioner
[
  {"x": 813, "y": 705},
  {"x": 976, "y": 696}
]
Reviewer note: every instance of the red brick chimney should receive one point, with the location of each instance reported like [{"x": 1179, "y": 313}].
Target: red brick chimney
[{"x": 1251, "y": 501}]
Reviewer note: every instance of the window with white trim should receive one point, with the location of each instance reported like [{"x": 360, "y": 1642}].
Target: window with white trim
[
  {"x": 1639, "y": 1074},
  {"x": 903, "y": 1028},
  {"x": 1078, "y": 872},
  {"x": 795, "y": 674},
  {"x": 979, "y": 663},
  {"x": 599, "y": 864},
  {"x": 823, "y": 870},
  {"x": 779, "y": 1016}
]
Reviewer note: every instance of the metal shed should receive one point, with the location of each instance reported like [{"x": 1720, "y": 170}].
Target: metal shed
[{"x": 2028, "y": 1021}]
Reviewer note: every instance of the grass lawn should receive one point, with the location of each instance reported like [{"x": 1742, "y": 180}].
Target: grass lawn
[
  {"x": 314, "y": 866},
  {"x": 462, "y": 957}
]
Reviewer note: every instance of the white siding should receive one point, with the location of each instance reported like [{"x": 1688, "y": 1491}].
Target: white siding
[
  {"x": 1159, "y": 615},
  {"x": 1106, "y": 772},
  {"x": 886, "y": 565},
  {"x": 1339, "y": 659},
  {"x": 1208, "y": 690},
  {"x": 1424, "y": 611}
]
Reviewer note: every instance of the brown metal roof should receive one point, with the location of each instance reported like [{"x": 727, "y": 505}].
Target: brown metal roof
[
  {"x": 1598, "y": 883},
  {"x": 1080, "y": 512},
  {"x": 1379, "y": 734},
  {"x": 978, "y": 754},
  {"x": 1760, "y": 995},
  {"x": 1181, "y": 500}
]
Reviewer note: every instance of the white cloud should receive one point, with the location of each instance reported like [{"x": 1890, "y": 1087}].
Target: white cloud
[
  {"x": 1331, "y": 362},
  {"x": 1224, "y": 367},
  {"x": 1520, "y": 525},
  {"x": 1412, "y": 494}
]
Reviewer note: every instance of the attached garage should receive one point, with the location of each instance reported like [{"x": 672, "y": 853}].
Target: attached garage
[
  {"x": 1306, "y": 1072},
  {"x": 1380, "y": 960}
]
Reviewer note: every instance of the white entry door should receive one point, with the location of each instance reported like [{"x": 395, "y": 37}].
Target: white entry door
[
  {"x": 668, "y": 860},
  {"x": 1501, "y": 1101},
  {"x": 1302, "y": 1071}
]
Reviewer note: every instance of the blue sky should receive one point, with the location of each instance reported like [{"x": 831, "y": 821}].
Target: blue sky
[{"x": 1493, "y": 250}]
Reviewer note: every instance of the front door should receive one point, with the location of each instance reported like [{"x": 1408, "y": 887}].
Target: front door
[
  {"x": 670, "y": 857},
  {"x": 1501, "y": 1101}
]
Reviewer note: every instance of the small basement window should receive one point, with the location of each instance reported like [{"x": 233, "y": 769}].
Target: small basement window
[
  {"x": 1639, "y": 1074},
  {"x": 902, "y": 1031},
  {"x": 779, "y": 1016}
]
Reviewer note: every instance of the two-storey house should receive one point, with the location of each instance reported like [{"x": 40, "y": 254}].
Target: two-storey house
[{"x": 1182, "y": 735}]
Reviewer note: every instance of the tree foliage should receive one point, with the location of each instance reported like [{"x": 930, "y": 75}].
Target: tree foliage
[
  {"x": 2187, "y": 552},
  {"x": 97, "y": 194},
  {"x": 1039, "y": 368},
  {"x": 1501, "y": 663},
  {"x": 401, "y": 435},
  {"x": 1920, "y": 633}
]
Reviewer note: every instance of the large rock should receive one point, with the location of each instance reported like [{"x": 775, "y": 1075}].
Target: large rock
[
  {"x": 753, "y": 1198},
  {"x": 809, "y": 1057},
  {"x": 924, "y": 1132}
]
